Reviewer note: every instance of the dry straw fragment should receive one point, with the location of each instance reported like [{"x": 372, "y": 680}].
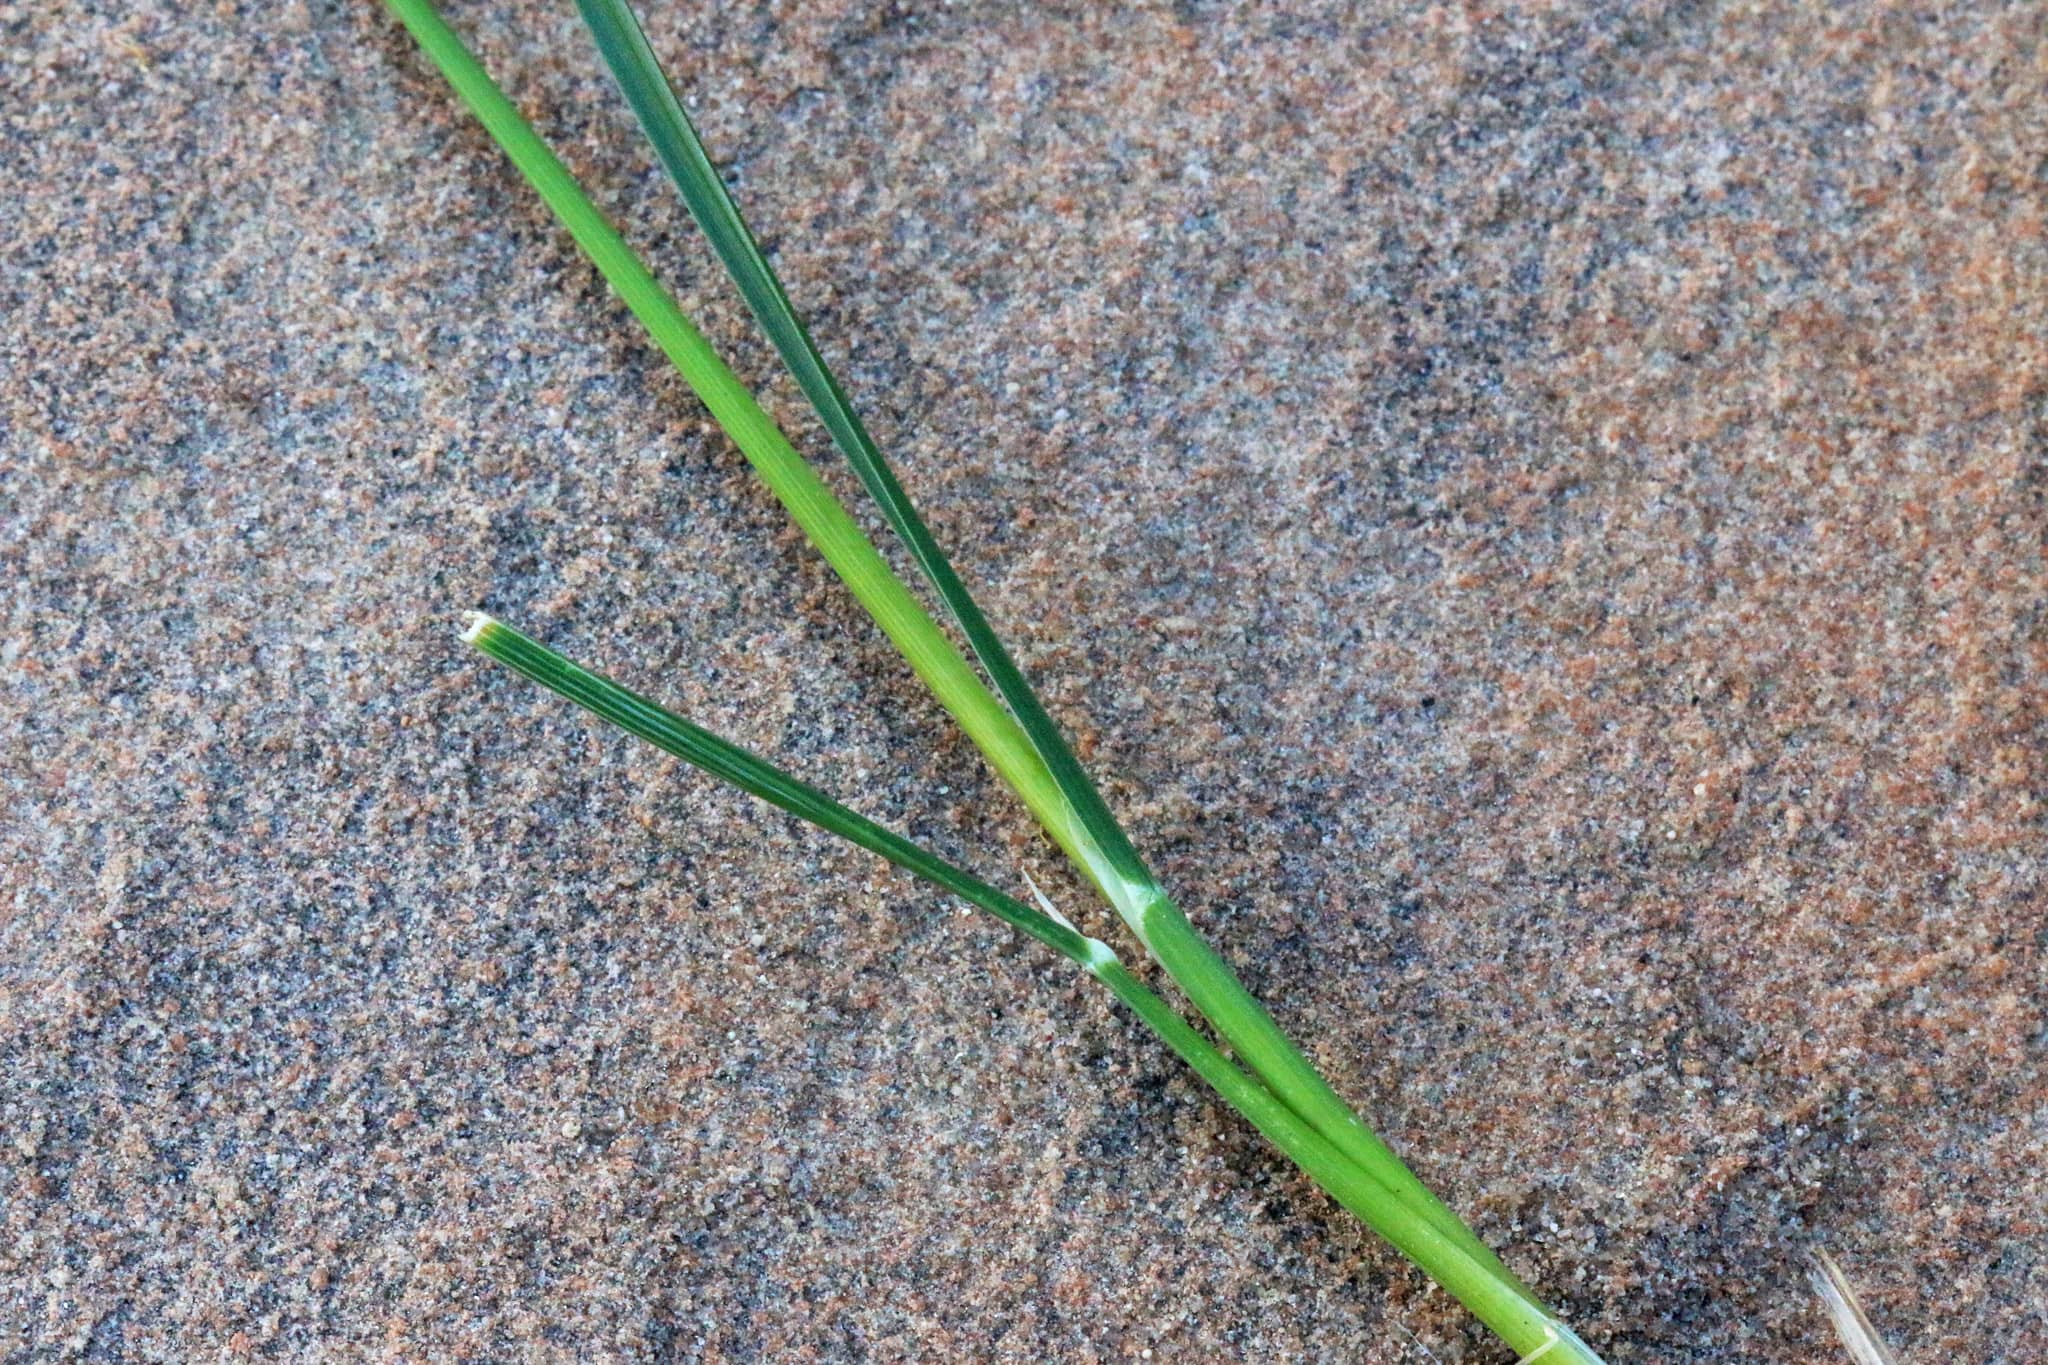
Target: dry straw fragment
[{"x": 1851, "y": 1322}]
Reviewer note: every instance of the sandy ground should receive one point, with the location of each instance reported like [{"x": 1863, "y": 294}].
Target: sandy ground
[{"x": 1537, "y": 518}]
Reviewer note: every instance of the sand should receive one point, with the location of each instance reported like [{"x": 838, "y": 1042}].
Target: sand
[{"x": 1536, "y": 516}]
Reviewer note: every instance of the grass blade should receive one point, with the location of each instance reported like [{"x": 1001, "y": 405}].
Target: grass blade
[
  {"x": 624, "y": 46},
  {"x": 1106, "y": 855},
  {"x": 1522, "y": 1324},
  {"x": 692, "y": 743}
]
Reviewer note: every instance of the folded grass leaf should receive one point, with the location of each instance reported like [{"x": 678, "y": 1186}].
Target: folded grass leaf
[{"x": 1105, "y": 854}]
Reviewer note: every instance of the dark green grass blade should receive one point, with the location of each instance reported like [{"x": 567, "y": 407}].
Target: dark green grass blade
[
  {"x": 664, "y": 729},
  {"x": 681, "y": 151}
]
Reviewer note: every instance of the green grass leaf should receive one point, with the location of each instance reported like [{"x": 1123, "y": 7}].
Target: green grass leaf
[
  {"x": 648, "y": 720},
  {"x": 810, "y": 503}
]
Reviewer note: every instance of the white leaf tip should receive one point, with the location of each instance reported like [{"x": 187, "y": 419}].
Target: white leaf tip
[{"x": 473, "y": 623}]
